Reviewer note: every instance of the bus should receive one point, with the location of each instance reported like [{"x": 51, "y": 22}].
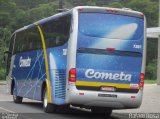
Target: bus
[{"x": 89, "y": 57}]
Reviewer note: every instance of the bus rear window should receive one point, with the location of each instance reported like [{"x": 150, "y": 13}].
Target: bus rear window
[{"x": 112, "y": 26}]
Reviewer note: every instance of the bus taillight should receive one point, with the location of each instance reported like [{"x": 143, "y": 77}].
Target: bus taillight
[
  {"x": 72, "y": 75},
  {"x": 142, "y": 76}
]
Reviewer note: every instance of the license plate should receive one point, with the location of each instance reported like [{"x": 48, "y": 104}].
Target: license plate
[
  {"x": 111, "y": 89},
  {"x": 134, "y": 86},
  {"x": 108, "y": 95}
]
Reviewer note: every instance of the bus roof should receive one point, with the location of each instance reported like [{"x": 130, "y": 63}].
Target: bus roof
[{"x": 123, "y": 11}]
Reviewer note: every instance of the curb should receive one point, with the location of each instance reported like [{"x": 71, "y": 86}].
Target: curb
[{"x": 3, "y": 83}]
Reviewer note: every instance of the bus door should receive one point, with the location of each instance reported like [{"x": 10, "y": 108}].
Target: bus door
[{"x": 109, "y": 52}]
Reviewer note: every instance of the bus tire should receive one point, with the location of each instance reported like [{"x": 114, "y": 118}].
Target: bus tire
[
  {"x": 105, "y": 111},
  {"x": 47, "y": 107},
  {"x": 16, "y": 99}
]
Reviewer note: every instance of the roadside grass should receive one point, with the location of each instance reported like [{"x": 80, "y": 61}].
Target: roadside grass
[{"x": 148, "y": 81}]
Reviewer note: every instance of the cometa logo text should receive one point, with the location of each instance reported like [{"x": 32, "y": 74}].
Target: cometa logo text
[
  {"x": 90, "y": 73},
  {"x": 24, "y": 62}
]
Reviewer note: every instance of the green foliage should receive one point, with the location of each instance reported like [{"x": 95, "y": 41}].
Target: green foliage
[
  {"x": 149, "y": 81},
  {"x": 2, "y": 72},
  {"x": 5, "y": 34},
  {"x": 15, "y": 14},
  {"x": 148, "y": 7},
  {"x": 42, "y": 11},
  {"x": 152, "y": 50},
  {"x": 151, "y": 69},
  {"x": 6, "y": 8}
]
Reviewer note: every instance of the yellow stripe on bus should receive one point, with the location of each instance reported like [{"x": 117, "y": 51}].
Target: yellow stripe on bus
[
  {"x": 98, "y": 84},
  {"x": 46, "y": 64}
]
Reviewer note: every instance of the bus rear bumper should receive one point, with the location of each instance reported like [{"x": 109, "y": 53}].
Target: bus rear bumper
[{"x": 104, "y": 99}]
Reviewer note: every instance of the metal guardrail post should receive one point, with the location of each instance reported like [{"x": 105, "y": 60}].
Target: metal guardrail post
[{"x": 158, "y": 62}]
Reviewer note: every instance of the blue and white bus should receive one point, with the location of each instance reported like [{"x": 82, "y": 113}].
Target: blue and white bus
[{"x": 90, "y": 57}]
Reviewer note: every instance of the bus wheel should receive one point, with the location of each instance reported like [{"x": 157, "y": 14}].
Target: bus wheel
[
  {"x": 105, "y": 111},
  {"x": 16, "y": 99},
  {"x": 47, "y": 107}
]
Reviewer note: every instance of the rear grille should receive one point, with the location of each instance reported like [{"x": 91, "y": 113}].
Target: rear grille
[{"x": 60, "y": 83}]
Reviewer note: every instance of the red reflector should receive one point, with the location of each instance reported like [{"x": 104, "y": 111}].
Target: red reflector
[
  {"x": 142, "y": 15},
  {"x": 110, "y": 49},
  {"x": 133, "y": 96},
  {"x": 81, "y": 93},
  {"x": 80, "y": 9},
  {"x": 142, "y": 76},
  {"x": 141, "y": 84},
  {"x": 72, "y": 75}
]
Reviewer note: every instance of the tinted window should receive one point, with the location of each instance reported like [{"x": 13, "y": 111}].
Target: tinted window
[
  {"x": 11, "y": 43},
  {"x": 111, "y": 26},
  {"x": 20, "y": 41},
  {"x": 33, "y": 40},
  {"x": 28, "y": 40},
  {"x": 56, "y": 32},
  {"x": 10, "y": 53}
]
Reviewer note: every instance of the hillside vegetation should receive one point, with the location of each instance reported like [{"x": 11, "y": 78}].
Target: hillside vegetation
[{"x": 15, "y": 14}]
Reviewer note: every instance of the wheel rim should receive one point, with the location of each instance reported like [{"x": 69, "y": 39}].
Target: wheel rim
[{"x": 45, "y": 99}]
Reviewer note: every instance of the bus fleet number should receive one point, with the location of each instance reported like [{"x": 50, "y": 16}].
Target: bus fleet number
[{"x": 137, "y": 46}]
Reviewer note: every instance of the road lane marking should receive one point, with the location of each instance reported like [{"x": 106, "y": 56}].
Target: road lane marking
[{"x": 7, "y": 110}]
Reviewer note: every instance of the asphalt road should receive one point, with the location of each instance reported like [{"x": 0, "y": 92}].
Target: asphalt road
[{"x": 30, "y": 109}]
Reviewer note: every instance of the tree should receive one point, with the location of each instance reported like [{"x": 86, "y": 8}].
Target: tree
[
  {"x": 15, "y": 14},
  {"x": 7, "y": 8},
  {"x": 148, "y": 7},
  {"x": 151, "y": 70}
]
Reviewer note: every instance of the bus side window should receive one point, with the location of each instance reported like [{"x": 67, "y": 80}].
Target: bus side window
[
  {"x": 19, "y": 42},
  {"x": 34, "y": 41},
  {"x": 27, "y": 40},
  {"x": 10, "y": 54},
  {"x": 56, "y": 31}
]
